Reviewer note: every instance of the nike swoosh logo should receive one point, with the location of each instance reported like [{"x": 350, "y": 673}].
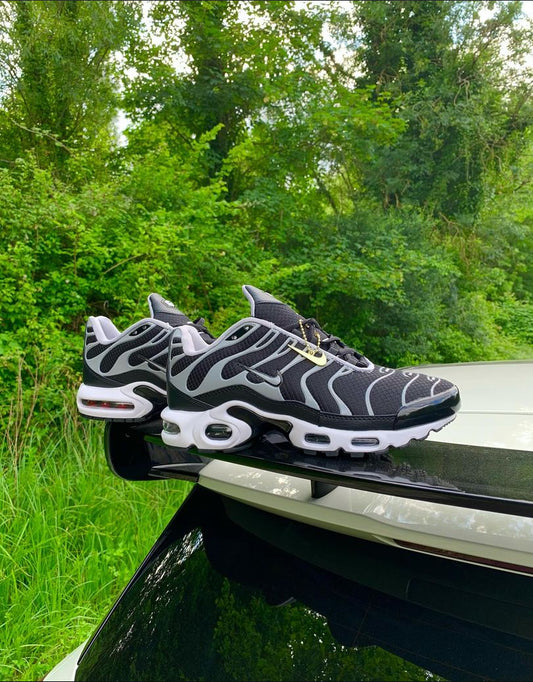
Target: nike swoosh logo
[
  {"x": 319, "y": 360},
  {"x": 267, "y": 378}
]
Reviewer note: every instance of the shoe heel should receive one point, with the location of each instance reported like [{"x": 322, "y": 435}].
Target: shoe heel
[
  {"x": 114, "y": 404},
  {"x": 213, "y": 429}
]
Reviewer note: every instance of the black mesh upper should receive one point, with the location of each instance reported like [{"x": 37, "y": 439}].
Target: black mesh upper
[
  {"x": 148, "y": 352},
  {"x": 176, "y": 350},
  {"x": 280, "y": 314},
  {"x": 233, "y": 367},
  {"x": 166, "y": 311},
  {"x": 317, "y": 383},
  {"x": 267, "y": 339},
  {"x": 386, "y": 394},
  {"x": 266, "y": 307},
  {"x": 181, "y": 363},
  {"x": 198, "y": 373},
  {"x": 279, "y": 362},
  {"x": 291, "y": 386},
  {"x": 352, "y": 393},
  {"x": 117, "y": 349},
  {"x": 426, "y": 384}
]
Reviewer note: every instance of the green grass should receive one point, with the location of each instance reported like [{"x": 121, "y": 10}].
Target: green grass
[{"x": 71, "y": 536}]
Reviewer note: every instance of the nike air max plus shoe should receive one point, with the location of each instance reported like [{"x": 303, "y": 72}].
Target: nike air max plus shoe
[
  {"x": 124, "y": 374},
  {"x": 280, "y": 368}
]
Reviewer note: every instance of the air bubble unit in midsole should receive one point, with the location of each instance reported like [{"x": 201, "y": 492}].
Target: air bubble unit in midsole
[
  {"x": 108, "y": 404},
  {"x": 365, "y": 441},
  {"x": 317, "y": 438},
  {"x": 169, "y": 427},
  {"x": 218, "y": 431},
  {"x": 119, "y": 403}
]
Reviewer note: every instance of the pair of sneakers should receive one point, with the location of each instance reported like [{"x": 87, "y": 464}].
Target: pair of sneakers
[{"x": 272, "y": 368}]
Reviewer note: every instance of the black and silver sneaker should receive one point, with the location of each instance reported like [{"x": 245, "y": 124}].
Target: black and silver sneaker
[
  {"x": 279, "y": 368},
  {"x": 124, "y": 374}
]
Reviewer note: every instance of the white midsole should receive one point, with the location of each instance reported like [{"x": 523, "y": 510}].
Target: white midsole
[
  {"x": 183, "y": 429},
  {"x": 121, "y": 394}
]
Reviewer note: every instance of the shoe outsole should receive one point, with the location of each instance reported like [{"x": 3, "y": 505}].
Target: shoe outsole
[{"x": 219, "y": 429}]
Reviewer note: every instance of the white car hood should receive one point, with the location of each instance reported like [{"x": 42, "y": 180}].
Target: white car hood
[{"x": 496, "y": 403}]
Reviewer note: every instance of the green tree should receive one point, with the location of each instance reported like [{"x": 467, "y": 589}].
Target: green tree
[
  {"x": 390, "y": 202},
  {"x": 58, "y": 87},
  {"x": 457, "y": 72},
  {"x": 215, "y": 65}
]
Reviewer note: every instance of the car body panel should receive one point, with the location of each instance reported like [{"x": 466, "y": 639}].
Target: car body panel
[
  {"x": 230, "y": 592},
  {"x": 383, "y": 518},
  {"x": 496, "y": 412},
  {"x": 496, "y": 404},
  {"x": 65, "y": 670}
]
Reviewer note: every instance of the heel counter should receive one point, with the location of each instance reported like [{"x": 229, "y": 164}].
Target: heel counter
[
  {"x": 89, "y": 337},
  {"x": 90, "y": 376},
  {"x": 177, "y": 362}
]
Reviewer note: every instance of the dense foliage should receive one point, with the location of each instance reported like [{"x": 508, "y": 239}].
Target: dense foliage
[{"x": 367, "y": 161}]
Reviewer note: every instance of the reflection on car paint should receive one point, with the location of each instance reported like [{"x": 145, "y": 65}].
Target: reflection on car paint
[{"x": 220, "y": 598}]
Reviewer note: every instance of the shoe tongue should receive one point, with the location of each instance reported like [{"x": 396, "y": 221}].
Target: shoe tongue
[
  {"x": 265, "y": 307},
  {"x": 166, "y": 311}
]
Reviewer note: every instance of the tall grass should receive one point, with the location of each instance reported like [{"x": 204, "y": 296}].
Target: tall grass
[{"x": 71, "y": 535}]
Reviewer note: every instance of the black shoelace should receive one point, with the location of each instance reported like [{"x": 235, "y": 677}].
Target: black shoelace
[{"x": 330, "y": 342}]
